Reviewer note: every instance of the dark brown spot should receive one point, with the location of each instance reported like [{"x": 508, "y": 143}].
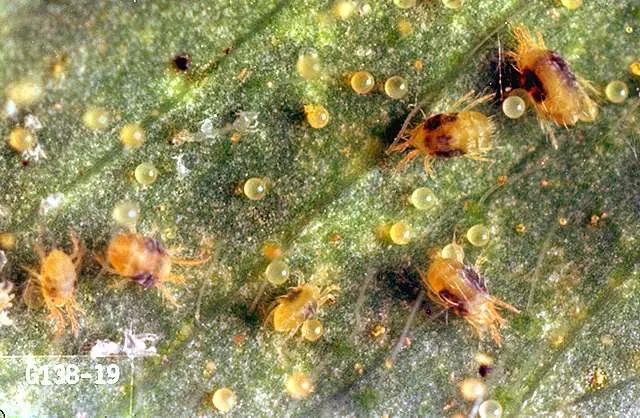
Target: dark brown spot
[
  {"x": 557, "y": 61},
  {"x": 435, "y": 121},
  {"x": 440, "y": 146},
  {"x": 471, "y": 275},
  {"x": 154, "y": 245},
  {"x": 182, "y": 61},
  {"x": 145, "y": 279},
  {"x": 485, "y": 370},
  {"x": 532, "y": 83}
]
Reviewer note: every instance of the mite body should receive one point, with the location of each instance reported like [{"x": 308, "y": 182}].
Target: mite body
[
  {"x": 55, "y": 285},
  {"x": 558, "y": 95},
  {"x": 299, "y": 304},
  {"x": 445, "y": 135},
  {"x": 145, "y": 261},
  {"x": 461, "y": 288}
]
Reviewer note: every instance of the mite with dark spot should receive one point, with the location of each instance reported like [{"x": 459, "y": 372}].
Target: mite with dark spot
[
  {"x": 445, "y": 135},
  {"x": 144, "y": 261},
  {"x": 182, "y": 61},
  {"x": 462, "y": 289},
  {"x": 557, "y": 94}
]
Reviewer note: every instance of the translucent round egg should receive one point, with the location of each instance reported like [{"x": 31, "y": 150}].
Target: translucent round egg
[
  {"x": 490, "y": 409},
  {"x": 224, "y": 399},
  {"x": 423, "y": 198},
  {"x": 634, "y": 67},
  {"x": 343, "y": 9},
  {"x": 513, "y": 107},
  {"x": 617, "y": 91},
  {"x": 312, "y": 329},
  {"x": 396, "y": 87},
  {"x": 126, "y": 213},
  {"x": 25, "y": 92},
  {"x": 472, "y": 389},
  {"x": 400, "y": 233},
  {"x": 255, "y": 188},
  {"x": 7, "y": 240},
  {"x": 453, "y": 251},
  {"x": 146, "y": 174},
  {"x": 478, "y": 235},
  {"x": 404, "y": 4},
  {"x": 132, "y": 135},
  {"x": 571, "y": 4},
  {"x": 362, "y": 82},
  {"x": 452, "y": 4},
  {"x": 299, "y": 385},
  {"x": 21, "y": 139},
  {"x": 277, "y": 272},
  {"x": 317, "y": 115},
  {"x": 308, "y": 65},
  {"x": 96, "y": 118}
]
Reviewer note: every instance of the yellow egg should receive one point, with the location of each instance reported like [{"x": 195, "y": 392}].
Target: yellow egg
[
  {"x": 571, "y": 4},
  {"x": 362, "y": 82},
  {"x": 404, "y": 4},
  {"x": 453, "y": 251},
  {"x": 96, "y": 118},
  {"x": 490, "y": 409},
  {"x": 478, "y": 235},
  {"x": 308, "y": 65},
  {"x": 343, "y": 9},
  {"x": 146, "y": 174},
  {"x": 634, "y": 67},
  {"x": 126, "y": 213},
  {"x": 452, "y": 4},
  {"x": 400, "y": 233},
  {"x": 255, "y": 188},
  {"x": 299, "y": 385},
  {"x": 617, "y": 91},
  {"x": 513, "y": 107},
  {"x": 21, "y": 139},
  {"x": 396, "y": 87},
  {"x": 312, "y": 329},
  {"x": 25, "y": 92},
  {"x": 317, "y": 115},
  {"x": 277, "y": 272},
  {"x": 423, "y": 198},
  {"x": 132, "y": 135},
  {"x": 7, "y": 240},
  {"x": 224, "y": 399},
  {"x": 472, "y": 389}
]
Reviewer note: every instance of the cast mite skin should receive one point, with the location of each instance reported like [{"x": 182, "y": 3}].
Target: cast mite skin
[
  {"x": 558, "y": 95},
  {"x": 299, "y": 304},
  {"x": 55, "y": 285},
  {"x": 461, "y": 288},
  {"x": 445, "y": 135},
  {"x": 144, "y": 261}
]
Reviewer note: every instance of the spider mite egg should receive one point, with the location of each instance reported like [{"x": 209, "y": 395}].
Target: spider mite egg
[
  {"x": 299, "y": 385},
  {"x": 362, "y": 82},
  {"x": 396, "y": 87},
  {"x": 7, "y": 241},
  {"x": 617, "y": 91},
  {"x": 472, "y": 389},
  {"x": 452, "y": 4},
  {"x": 132, "y": 135},
  {"x": 25, "y": 92},
  {"x": 344, "y": 9},
  {"x": 490, "y": 409},
  {"x": 634, "y": 67},
  {"x": 308, "y": 65},
  {"x": 126, "y": 213},
  {"x": 277, "y": 272},
  {"x": 96, "y": 118},
  {"x": 423, "y": 198},
  {"x": 317, "y": 115},
  {"x": 513, "y": 107},
  {"x": 21, "y": 139},
  {"x": 224, "y": 399},
  {"x": 478, "y": 235},
  {"x": 255, "y": 188},
  {"x": 400, "y": 233},
  {"x": 404, "y": 4},
  {"x": 146, "y": 174},
  {"x": 571, "y": 4},
  {"x": 312, "y": 329},
  {"x": 453, "y": 251}
]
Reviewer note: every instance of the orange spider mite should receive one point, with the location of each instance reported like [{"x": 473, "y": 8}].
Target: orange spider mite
[
  {"x": 55, "y": 285},
  {"x": 145, "y": 261},
  {"x": 299, "y": 304},
  {"x": 445, "y": 135},
  {"x": 558, "y": 95},
  {"x": 461, "y": 288}
]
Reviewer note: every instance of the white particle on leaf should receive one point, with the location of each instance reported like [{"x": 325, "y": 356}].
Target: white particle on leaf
[
  {"x": 206, "y": 128},
  {"x": 34, "y": 154},
  {"x": 245, "y": 122},
  {"x": 32, "y": 122},
  {"x": 139, "y": 345},
  {"x": 104, "y": 348},
  {"x": 182, "y": 169},
  {"x": 3, "y": 260},
  {"x": 10, "y": 108},
  {"x": 50, "y": 203}
]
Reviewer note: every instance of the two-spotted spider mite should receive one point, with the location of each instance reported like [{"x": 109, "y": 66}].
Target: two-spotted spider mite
[
  {"x": 55, "y": 284},
  {"x": 299, "y": 304},
  {"x": 558, "y": 95},
  {"x": 461, "y": 288},
  {"x": 445, "y": 135},
  {"x": 145, "y": 261}
]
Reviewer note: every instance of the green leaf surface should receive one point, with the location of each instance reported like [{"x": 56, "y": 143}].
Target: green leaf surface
[{"x": 574, "y": 350}]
